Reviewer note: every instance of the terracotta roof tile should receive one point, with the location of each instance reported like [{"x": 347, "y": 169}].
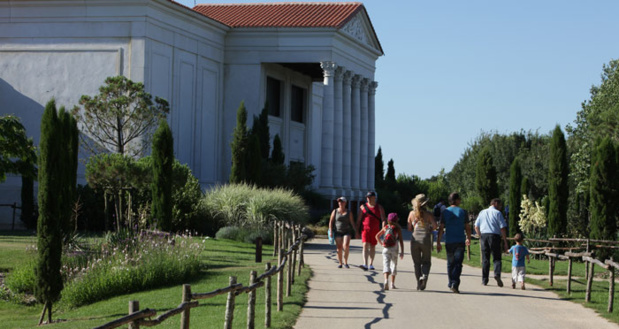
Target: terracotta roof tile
[{"x": 289, "y": 14}]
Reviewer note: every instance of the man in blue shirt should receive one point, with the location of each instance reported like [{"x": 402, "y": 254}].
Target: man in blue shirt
[
  {"x": 455, "y": 221},
  {"x": 491, "y": 228}
]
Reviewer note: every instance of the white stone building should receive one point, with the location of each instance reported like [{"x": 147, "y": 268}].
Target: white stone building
[{"x": 314, "y": 63}]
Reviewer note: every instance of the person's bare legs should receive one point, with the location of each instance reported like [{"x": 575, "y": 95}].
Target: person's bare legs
[
  {"x": 386, "y": 285},
  {"x": 346, "y": 247},
  {"x": 372, "y": 253},
  {"x": 365, "y": 253},
  {"x": 338, "y": 245}
]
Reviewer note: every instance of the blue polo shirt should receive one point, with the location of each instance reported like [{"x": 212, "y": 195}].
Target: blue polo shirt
[
  {"x": 490, "y": 221},
  {"x": 519, "y": 252},
  {"x": 453, "y": 220}
]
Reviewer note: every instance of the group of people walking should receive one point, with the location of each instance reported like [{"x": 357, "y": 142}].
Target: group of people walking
[{"x": 454, "y": 231}]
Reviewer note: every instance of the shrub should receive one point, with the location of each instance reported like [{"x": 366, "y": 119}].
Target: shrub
[
  {"x": 244, "y": 234},
  {"x": 121, "y": 264},
  {"x": 243, "y": 205}
]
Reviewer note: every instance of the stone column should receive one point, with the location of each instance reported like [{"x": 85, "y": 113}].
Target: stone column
[
  {"x": 363, "y": 168},
  {"x": 371, "y": 133},
  {"x": 355, "y": 103},
  {"x": 338, "y": 130},
  {"x": 347, "y": 150},
  {"x": 326, "y": 179}
]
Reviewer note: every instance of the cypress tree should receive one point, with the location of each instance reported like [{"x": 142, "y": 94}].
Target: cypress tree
[
  {"x": 603, "y": 225},
  {"x": 69, "y": 133},
  {"x": 238, "y": 172},
  {"x": 379, "y": 168},
  {"x": 525, "y": 187},
  {"x": 27, "y": 202},
  {"x": 163, "y": 159},
  {"x": 277, "y": 156},
  {"x": 390, "y": 176},
  {"x": 49, "y": 226},
  {"x": 260, "y": 129},
  {"x": 515, "y": 197},
  {"x": 557, "y": 184},
  {"x": 486, "y": 177},
  {"x": 254, "y": 163}
]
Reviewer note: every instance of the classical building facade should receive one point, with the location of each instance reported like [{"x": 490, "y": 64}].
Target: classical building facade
[{"x": 313, "y": 62}]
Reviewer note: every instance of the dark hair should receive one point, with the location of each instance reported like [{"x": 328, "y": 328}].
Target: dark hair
[
  {"x": 496, "y": 201},
  {"x": 518, "y": 237},
  {"x": 453, "y": 197}
]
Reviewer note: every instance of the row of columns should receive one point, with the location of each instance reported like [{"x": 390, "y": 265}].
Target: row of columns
[{"x": 348, "y": 132}]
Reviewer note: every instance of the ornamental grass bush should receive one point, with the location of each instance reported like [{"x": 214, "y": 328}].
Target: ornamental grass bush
[
  {"x": 120, "y": 266},
  {"x": 247, "y": 206}
]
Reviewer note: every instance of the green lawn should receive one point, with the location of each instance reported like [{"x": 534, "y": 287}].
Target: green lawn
[{"x": 222, "y": 260}]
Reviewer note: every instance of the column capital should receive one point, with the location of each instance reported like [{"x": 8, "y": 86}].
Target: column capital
[
  {"x": 328, "y": 68},
  {"x": 339, "y": 73},
  {"x": 347, "y": 77},
  {"x": 373, "y": 86},
  {"x": 365, "y": 84},
  {"x": 356, "y": 80}
]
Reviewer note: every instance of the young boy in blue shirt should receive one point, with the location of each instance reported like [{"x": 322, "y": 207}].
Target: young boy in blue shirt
[{"x": 519, "y": 252}]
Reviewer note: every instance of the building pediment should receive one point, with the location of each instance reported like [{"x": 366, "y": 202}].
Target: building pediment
[{"x": 360, "y": 28}]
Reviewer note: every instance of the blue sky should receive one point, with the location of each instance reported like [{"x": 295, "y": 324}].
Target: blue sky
[{"x": 453, "y": 69}]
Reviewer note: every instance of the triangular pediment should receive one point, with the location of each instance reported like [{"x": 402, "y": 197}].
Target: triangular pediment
[{"x": 360, "y": 28}]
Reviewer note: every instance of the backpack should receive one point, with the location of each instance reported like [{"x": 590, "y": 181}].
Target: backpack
[
  {"x": 390, "y": 239},
  {"x": 437, "y": 211}
]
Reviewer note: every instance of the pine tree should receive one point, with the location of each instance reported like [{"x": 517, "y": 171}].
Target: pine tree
[
  {"x": 515, "y": 196},
  {"x": 277, "y": 156},
  {"x": 379, "y": 168},
  {"x": 486, "y": 177},
  {"x": 163, "y": 159},
  {"x": 603, "y": 225},
  {"x": 239, "y": 145},
  {"x": 557, "y": 184},
  {"x": 49, "y": 227}
]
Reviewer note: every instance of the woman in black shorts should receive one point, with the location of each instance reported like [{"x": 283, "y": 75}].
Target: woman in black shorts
[{"x": 341, "y": 223}]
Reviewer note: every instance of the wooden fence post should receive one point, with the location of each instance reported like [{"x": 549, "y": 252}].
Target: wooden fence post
[
  {"x": 294, "y": 265},
  {"x": 589, "y": 281},
  {"x": 230, "y": 305},
  {"x": 569, "y": 276},
  {"x": 134, "y": 306},
  {"x": 186, "y": 298},
  {"x": 258, "y": 250},
  {"x": 267, "y": 298},
  {"x": 280, "y": 282},
  {"x": 551, "y": 269},
  {"x": 611, "y": 287},
  {"x": 251, "y": 302},
  {"x": 301, "y": 261},
  {"x": 289, "y": 276},
  {"x": 275, "y": 238},
  {"x": 587, "y": 264}
]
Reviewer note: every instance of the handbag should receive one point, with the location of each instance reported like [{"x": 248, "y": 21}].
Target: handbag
[{"x": 331, "y": 236}]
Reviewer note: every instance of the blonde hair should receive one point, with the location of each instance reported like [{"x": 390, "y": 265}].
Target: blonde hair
[{"x": 418, "y": 211}]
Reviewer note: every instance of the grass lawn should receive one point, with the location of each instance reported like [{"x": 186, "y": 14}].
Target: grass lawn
[
  {"x": 222, "y": 259},
  {"x": 599, "y": 294}
]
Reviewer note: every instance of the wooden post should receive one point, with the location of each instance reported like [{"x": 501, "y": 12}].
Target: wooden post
[
  {"x": 186, "y": 299},
  {"x": 275, "y": 238},
  {"x": 280, "y": 282},
  {"x": 251, "y": 302},
  {"x": 134, "y": 306},
  {"x": 587, "y": 264},
  {"x": 289, "y": 277},
  {"x": 301, "y": 261},
  {"x": 551, "y": 269},
  {"x": 611, "y": 287},
  {"x": 294, "y": 265},
  {"x": 589, "y": 282},
  {"x": 267, "y": 298},
  {"x": 230, "y": 306},
  {"x": 259, "y": 250},
  {"x": 569, "y": 276}
]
